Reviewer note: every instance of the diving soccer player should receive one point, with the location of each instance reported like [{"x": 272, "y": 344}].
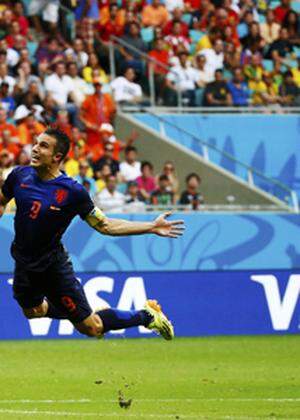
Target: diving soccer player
[{"x": 44, "y": 281}]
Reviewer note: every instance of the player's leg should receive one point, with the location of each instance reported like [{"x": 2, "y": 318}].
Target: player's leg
[
  {"x": 67, "y": 296},
  {"x": 28, "y": 292}
]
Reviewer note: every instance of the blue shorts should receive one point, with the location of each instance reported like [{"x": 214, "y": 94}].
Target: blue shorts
[{"x": 57, "y": 283}]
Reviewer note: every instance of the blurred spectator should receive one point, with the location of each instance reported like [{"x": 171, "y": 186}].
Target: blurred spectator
[
  {"x": 180, "y": 78},
  {"x": 281, "y": 11},
  {"x": 202, "y": 76},
  {"x": 49, "y": 51},
  {"x": 83, "y": 176},
  {"x": 266, "y": 92},
  {"x": 49, "y": 9},
  {"x": 238, "y": 88},
  {"x": 96, "y": 109},
  {"x": 26, "y": 77},
  {"x": 176, "y": 18},
  {"x": 134, "y": 39},
  {"x": 296, "y": 73},
  {"x": 28, "y": 127},
  {"x": 176, "y": 39},
  {"x": 9, "y": 143},
  {"x": 289, "y": 91},
  {"x": 291, "y": 23},
  {"x": 6, "y": 126},
  {"x": 7, "y": 101},
  {"x": 62, "y": 123},
  {"x": 20, "y": 18},
  {"x": 146, "y": 181},
  {"x": 60, "y": 86},
  {"x": 163, "y": 196},
  {"x": 102, "y": 177},
  {"x": 130, "y": 169},
  {"x": 254, "y": 41},
  {"x": 4, "y": 77},
  {"x": 113, "y": 23},
  {"x": 162, "y": 55},
  {"x": 269, "y": 29},
  {"x": 214, "y": 56},
  {"x": 208, "y": 40},
  {"x": 169, "y": 171},
  {"x": 80, "y": 87},
  {"x": 109, "y": 199},
  {"x": 79, "y": 56},
  {"x": 191, "y": 195},
  {"x": 106, "y": 159},
  {"x": 125, "y": 91},
  {"x": 281, "y": 48},
  {"x": 133, "y": 199},
  {"x": 217, "y": 93},
  {"x": 155, "y": 14},
  {"x": 88, "y": 71}
]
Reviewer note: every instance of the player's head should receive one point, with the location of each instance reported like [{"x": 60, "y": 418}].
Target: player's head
[{"x": 50, "y": 149}]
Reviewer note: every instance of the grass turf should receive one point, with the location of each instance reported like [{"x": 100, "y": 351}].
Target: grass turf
[{"x": 227, "y": 377}]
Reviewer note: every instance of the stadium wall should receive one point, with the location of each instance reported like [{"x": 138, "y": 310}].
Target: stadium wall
[
  {"x": 269, "y": 143},
  {"x": 230, "y": 274}
]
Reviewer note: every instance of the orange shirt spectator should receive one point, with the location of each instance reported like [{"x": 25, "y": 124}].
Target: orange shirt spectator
[
  {"x": 12, "y": 148},
  {"x": 5, "y": 126},
  {"x": 9, "y": 127},
  {"x": 96, "y": 109},
  {"x": 112, "y": 13},
  {"x": 155, "y": 14},
  {"x": 29, "y": 129}
]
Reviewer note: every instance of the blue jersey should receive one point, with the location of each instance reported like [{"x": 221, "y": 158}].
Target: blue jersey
[{"x": 44, "y": 211}]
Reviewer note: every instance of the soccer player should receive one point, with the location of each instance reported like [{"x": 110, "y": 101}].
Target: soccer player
[{"x": 44, "y": 281}]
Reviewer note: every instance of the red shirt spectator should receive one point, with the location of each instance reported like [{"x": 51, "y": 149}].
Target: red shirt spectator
[
  {"x": 281, "y": 11},
  {"x": 177, "y": 17},
  {"x": 20, "y": 18},
  {"x": 159, "y": 53}
]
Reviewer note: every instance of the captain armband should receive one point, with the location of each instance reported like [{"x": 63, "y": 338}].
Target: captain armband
[{"x": 95, "y": 216}]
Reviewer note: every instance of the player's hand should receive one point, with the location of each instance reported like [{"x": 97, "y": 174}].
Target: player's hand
[{"x": 166, "y": 228}]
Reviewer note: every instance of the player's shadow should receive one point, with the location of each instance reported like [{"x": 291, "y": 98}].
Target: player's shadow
[{"x": 293, "y": 255}]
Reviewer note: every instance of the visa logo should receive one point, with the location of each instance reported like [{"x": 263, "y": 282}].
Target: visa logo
[{"x": 281, "y": 310}]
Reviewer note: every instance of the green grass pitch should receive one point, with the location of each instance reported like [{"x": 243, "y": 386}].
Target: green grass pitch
[{"x": 210, "y": 378}]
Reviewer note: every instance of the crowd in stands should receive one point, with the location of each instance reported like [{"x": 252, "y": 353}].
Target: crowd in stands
[{"x": 55, "y": 70}]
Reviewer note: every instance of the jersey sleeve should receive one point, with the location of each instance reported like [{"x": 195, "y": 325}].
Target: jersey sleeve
[
  {"x": 84, "y": 203},
  {"x": 9, "y": 184}
]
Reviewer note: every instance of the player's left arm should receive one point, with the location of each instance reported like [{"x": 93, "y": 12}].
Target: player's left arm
[{"x": 119, "y": 227}]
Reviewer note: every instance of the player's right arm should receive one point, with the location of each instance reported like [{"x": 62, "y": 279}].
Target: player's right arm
[
  {"x": 3, "y": 202},
  {"x": 7, "y": 190}
]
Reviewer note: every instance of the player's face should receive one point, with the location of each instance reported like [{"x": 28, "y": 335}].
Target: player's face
[{"x": 43, "y": 152}]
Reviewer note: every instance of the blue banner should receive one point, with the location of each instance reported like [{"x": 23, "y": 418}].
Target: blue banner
[
  {"x": 198, "y": 303},
  {"x": 212, "y": 242}
]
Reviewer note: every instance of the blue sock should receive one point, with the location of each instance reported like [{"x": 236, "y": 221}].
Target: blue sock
[{"x": 115, "y": 319}]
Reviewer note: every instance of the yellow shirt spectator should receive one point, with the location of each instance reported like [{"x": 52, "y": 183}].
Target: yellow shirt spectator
[
  {"x": 203, "y": 43},
  {"x": 296, "y": 75}
]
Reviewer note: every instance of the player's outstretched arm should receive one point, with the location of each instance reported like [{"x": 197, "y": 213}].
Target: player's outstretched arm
[
  {"x": 3, "y": 202},
  {"x": 119, "y": 227}
]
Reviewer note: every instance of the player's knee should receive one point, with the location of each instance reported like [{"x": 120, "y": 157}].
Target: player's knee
[
  {"x": 36, "y": 312},
  {"x": 92, "y": 326}
]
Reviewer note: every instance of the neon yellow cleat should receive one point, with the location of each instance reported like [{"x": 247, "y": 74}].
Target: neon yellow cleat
[{"x": 160, "y": 324}]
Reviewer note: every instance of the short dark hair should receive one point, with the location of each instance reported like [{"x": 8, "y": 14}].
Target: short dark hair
[
  {"x": 130, "y": 149},
  {"x": 193, "y": 175},
  {"x": 62, "y": 141},
  {"x": 163, "y": 178},
  {"x": 146, "y": 163}
]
